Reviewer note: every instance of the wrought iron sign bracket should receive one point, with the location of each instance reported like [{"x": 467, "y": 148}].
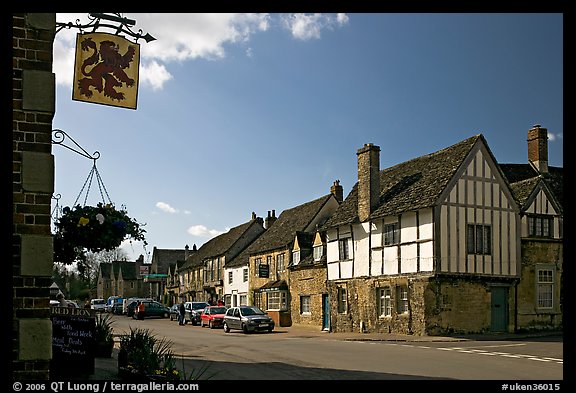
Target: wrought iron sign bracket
[
  {"x": 58, "y": 137},
  {"x": 123, "y": 25}
]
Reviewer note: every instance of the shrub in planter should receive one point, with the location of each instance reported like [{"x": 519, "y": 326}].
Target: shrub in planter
[
  {"x": 92, "y": 228},
  {"x": 104, "y": 338},
  {"x": 143, "y": 355}
]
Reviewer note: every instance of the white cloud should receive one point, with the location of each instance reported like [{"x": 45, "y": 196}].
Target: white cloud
[
  {"x": 166, "y": 207},
  {"x": 553, "y": 137},
  {"x": 154, "y": 74},
  {"x": 202, "y": 231},
  {"x": 309, "y": 26},
  {"x": 185, "y": 36}
]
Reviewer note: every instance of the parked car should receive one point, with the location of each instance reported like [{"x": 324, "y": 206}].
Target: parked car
[
  {"x": 174, "y": 312},
  {"x": 98, "y": 305},
  {"x": 153, "y": 308},
  {"x": 248, "y": 319},
  {"x": 193, "y": 312},
  {"x": 212, "y": 316}
]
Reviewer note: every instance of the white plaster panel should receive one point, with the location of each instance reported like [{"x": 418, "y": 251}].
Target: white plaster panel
[
  {"x": 333, "y": 270},
  {"x": 391, "y": 260},
  {"x": 442, "y": 236},
  {"x": 426, "y": 225},
  {"x": 377, "y": 262},
  {"x": 408, "y": 231},
  {"x": 427, "y": 256},
  {"x": 346, "y": 269},
  {"x": 409, "y": 255},
  {"x": 376, "y": 234}
]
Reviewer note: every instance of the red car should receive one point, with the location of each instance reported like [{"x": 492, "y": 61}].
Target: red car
[{"x": 212, "y": 316}]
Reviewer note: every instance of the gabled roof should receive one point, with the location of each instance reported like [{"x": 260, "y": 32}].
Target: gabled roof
[
  {"x": 282, "y": 232},
  {"x": 164, "y": 257},
  {"x": 128, "y": 269},
  {"x": 220, "y": 244},
  {"x": 411, "y": 185},
  {"x": 524, "y": 178},
  {"x": 306, "y": 243}
]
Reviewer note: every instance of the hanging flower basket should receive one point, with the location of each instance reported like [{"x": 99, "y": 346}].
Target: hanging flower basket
[{"x": 92, "y": 228}]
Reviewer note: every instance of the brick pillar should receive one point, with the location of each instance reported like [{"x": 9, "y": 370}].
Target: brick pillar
[{"x": 33, "y": 103}]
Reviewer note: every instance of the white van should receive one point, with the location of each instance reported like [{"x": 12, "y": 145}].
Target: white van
[{"x": 98, "y": 305}]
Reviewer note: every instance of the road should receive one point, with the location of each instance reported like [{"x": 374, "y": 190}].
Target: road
[{"x": 212, "y": 354}]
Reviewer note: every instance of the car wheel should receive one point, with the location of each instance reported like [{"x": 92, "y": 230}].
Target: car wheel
[
  {"x": 245, "y": 329},
  {"x": 210, "y": 325},
  {"x": 270, "y": 330},
  {"x": 165, "y": 315},
  {"x": 226, "y": 328}
]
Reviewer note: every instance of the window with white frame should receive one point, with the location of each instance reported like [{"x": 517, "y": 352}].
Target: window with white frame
[
  {"x": 344, "y": 249},
  {"x": 318, "y": 252},
  {"x": 230, "y": 277},
  {"x": 245, "y": 274},
  {"x": 295, "y": 257},
  {"x": 402, "y": 299},
  {"x": 342, "y": 299},
  {"x": 479, "y": 239},
  {"x": 243, "y": 300},
  {"x": 304, "y": 304},
  {"x": 545, "y": 289},
  {"x": 391, "y": 234},
  {"x": 277, "y": 300},
  {"x": 384, "y": 302}
]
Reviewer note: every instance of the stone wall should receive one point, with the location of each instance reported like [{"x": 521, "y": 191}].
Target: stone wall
[
  {"x": 543, "y": 253},
  {"x": 436, "y": 306},
  {"x": 308, "y": 282},
  {"x": 33, "y": 105}
]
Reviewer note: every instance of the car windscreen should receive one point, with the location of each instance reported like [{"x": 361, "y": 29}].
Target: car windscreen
[
  {"x": 252, "y": 311},
  {"x": 199, "y": 306},
  {"x": 217, "y": 310}
]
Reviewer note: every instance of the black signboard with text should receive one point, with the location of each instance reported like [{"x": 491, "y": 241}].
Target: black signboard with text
[
  {"x": 73, "y": 346},
  {"x": 263, "y": 270}
]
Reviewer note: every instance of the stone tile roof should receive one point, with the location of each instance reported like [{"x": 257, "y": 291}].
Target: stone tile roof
[
  {"x": 164, "y": 257},
  {"x": 411, "y": 185},
  {"x": 523, "y": 178},
  {"x": 281, "y": 233},
  {"x": 218, "y": 245},
  {"x": 128, "y": 269}
]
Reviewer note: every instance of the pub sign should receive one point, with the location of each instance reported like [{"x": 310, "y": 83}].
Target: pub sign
[{"x": 106, "y": 70}]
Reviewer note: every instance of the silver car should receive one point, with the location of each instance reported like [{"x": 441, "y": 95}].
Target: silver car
[{"x": 248, "y": 319}]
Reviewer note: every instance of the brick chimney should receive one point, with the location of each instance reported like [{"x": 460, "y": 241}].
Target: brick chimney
[
  {"x": 270, "y": 219},
  {"x": 368, "y": 180},
  {"x": 538, "y": 148},
  {"x": 337, "y": 191},
  {"x": 257, "y": 219}
]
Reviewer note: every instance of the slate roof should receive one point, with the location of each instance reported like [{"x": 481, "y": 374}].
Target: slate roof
[
  {"x": 218, "y": 245},
  {"x": 411, "y": 185},
  {"x": 282, "y": 232},
  {"x": 523, "y": 178}
]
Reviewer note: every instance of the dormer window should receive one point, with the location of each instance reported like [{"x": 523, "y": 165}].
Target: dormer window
[
  {"x": 296, "y": 257},
  {"x": 318, "y": 252},
  {"x": 539, "y": 226}
]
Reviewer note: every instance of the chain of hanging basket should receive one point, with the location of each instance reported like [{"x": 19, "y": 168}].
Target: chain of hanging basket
[{"x": 82, "y": 228}]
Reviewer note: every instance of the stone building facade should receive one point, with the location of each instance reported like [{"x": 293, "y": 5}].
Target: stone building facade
[{"x": 33, "y": 106}]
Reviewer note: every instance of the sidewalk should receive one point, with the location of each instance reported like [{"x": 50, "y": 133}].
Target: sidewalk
[{"x": 107, "y": 368}]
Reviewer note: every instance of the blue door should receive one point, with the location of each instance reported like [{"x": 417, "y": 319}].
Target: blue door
[
  {"x": 499, "y": 309},
  {"x": 325, "y": 312}
]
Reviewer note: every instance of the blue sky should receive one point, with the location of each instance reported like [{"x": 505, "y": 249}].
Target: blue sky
[{"x": 242, "y": 113}]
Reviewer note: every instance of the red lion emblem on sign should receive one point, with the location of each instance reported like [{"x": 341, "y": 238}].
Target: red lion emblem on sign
[{"x": 108, "y": 73}]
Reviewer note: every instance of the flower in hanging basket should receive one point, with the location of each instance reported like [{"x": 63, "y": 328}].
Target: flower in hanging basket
[{"x": 93, "y": 228}]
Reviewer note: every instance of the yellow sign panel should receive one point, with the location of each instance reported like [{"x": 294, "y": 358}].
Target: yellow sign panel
[{"x": 106, "y": 70}]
